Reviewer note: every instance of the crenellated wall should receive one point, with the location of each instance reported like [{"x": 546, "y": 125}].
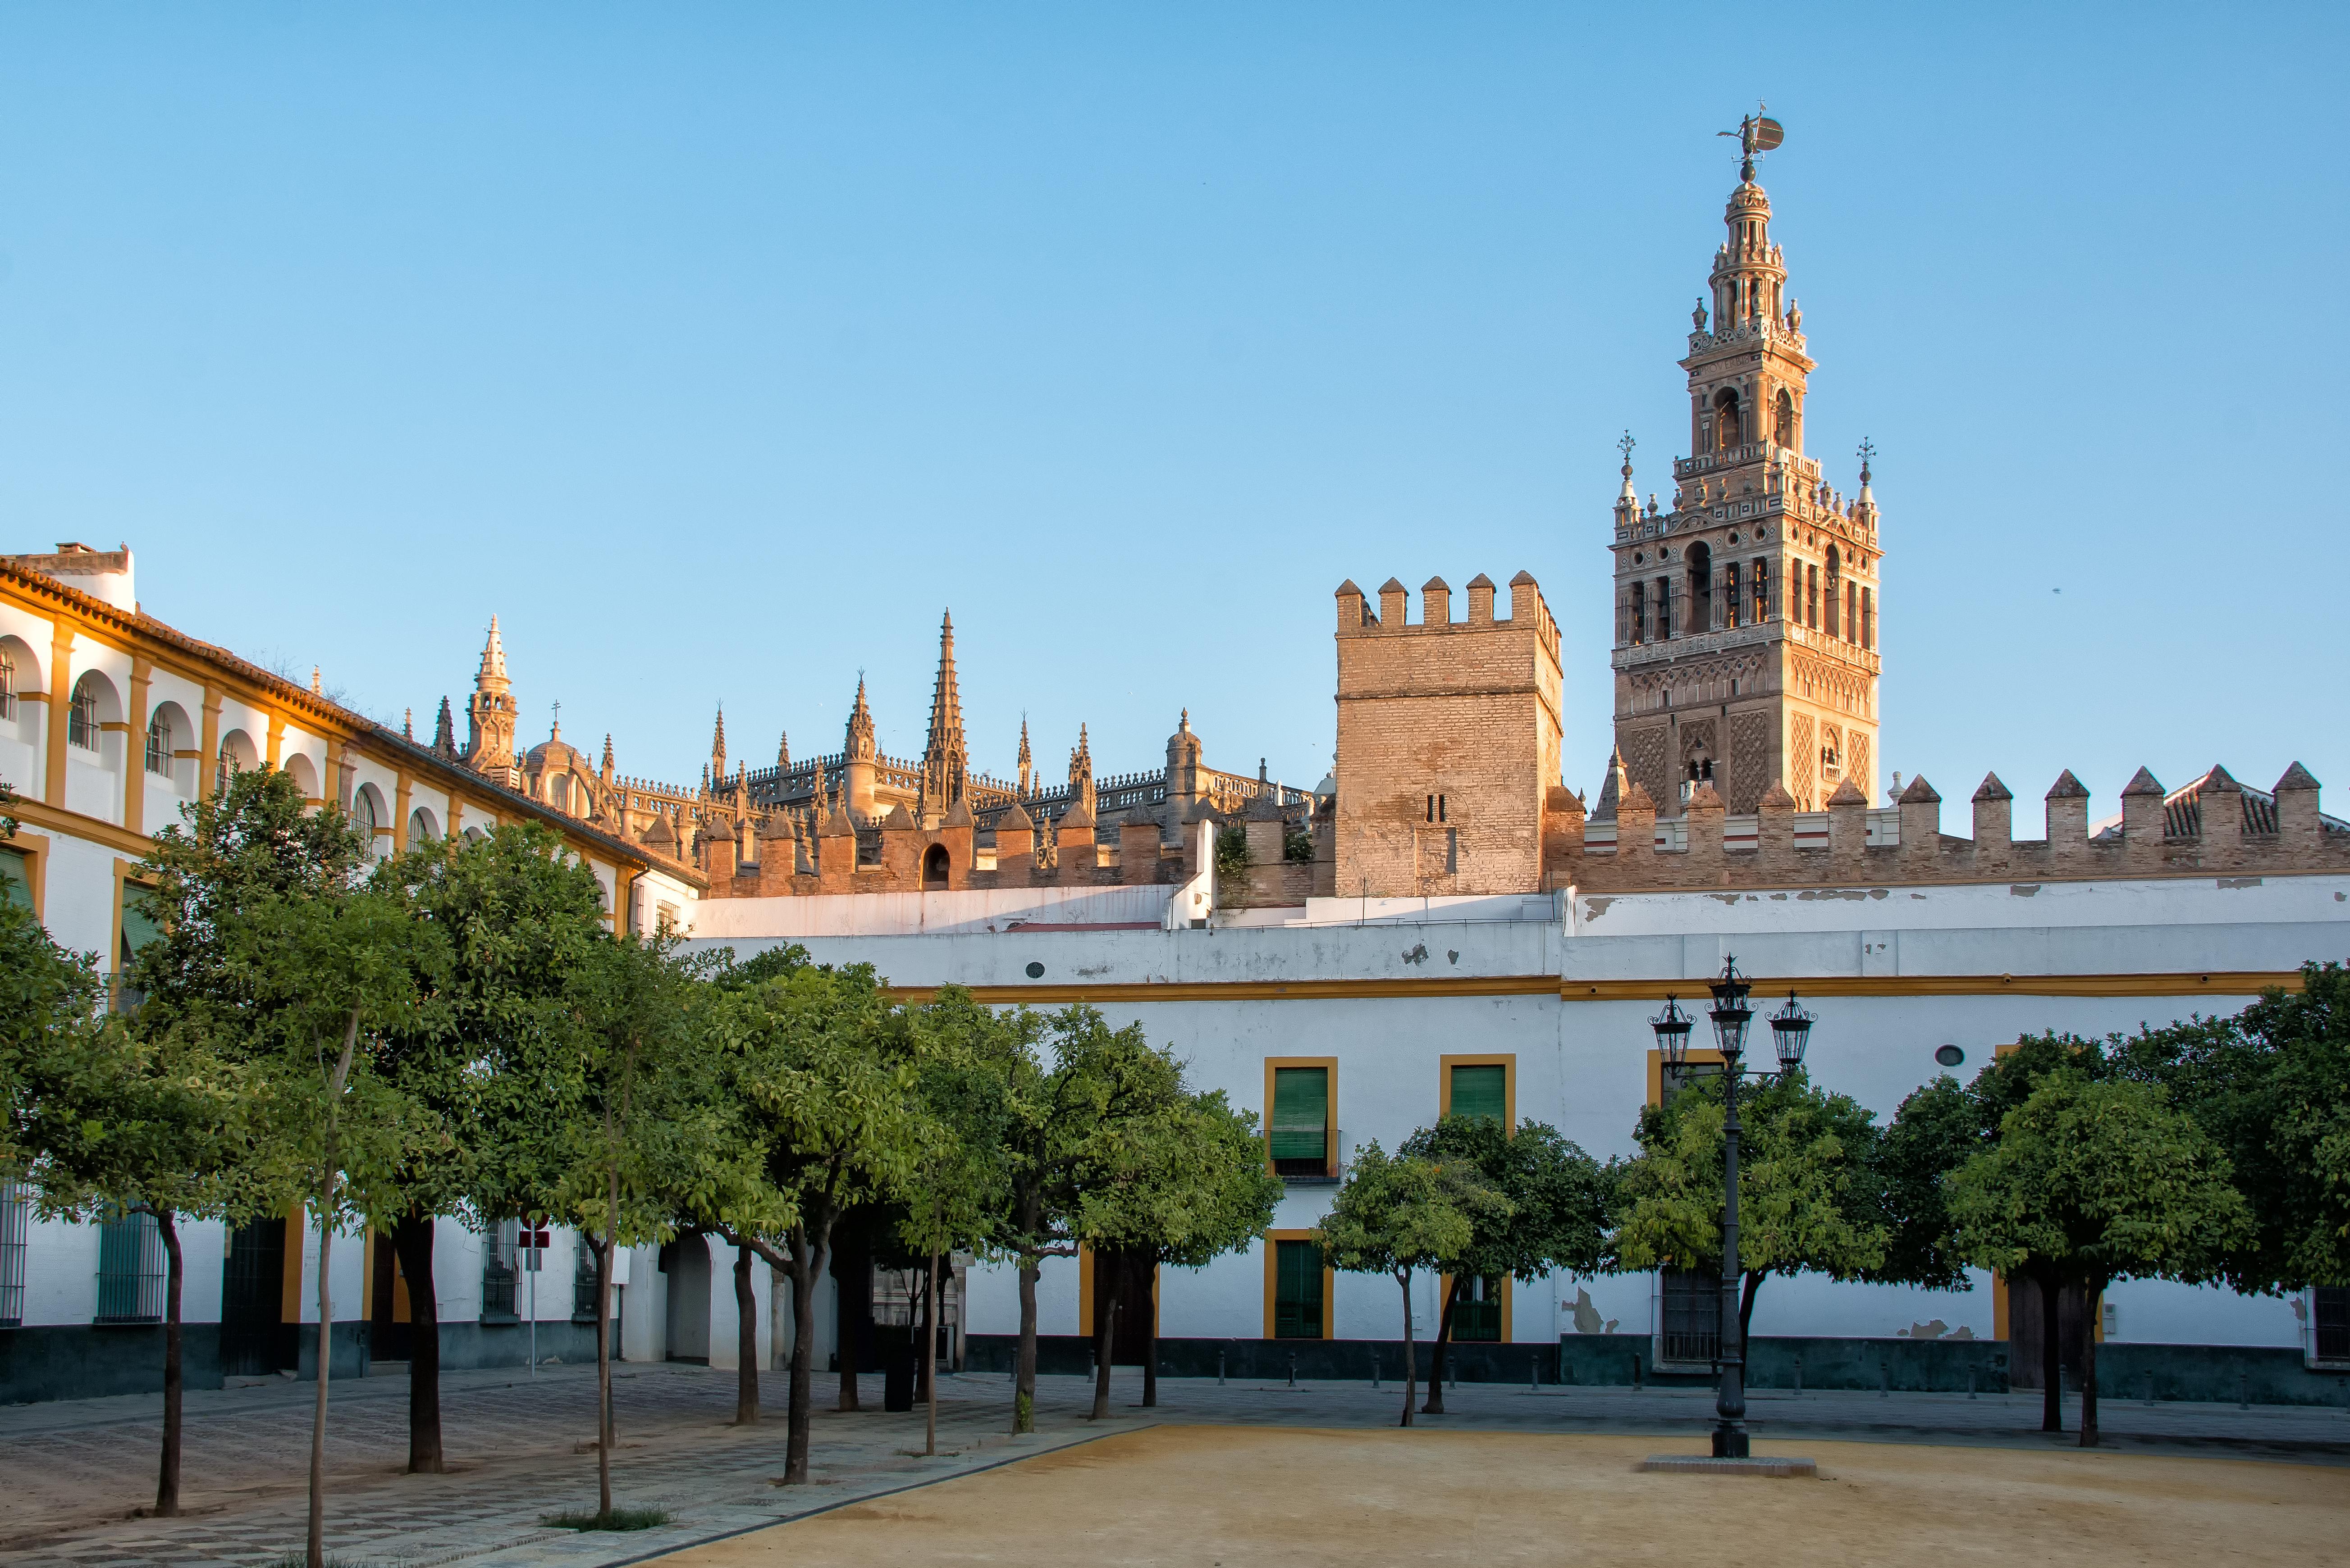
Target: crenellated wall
[{"x": 2214, "y": 826}]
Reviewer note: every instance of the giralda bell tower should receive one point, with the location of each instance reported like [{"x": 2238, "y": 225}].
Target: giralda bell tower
[{"x": 1746, "y": 614}]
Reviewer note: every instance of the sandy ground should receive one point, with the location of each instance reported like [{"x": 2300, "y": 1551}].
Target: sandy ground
[{"x": 1228, "y": 1497}]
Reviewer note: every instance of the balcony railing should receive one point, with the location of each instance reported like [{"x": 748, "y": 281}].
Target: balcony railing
[
  {"x": 129, "y": 1270},
  {"x": 1323, "y": 1170}
]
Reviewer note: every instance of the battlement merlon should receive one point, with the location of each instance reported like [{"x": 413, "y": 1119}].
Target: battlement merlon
[
  {"x": 2211, "y": 827},
  {"x": 1527, "y": 610}
]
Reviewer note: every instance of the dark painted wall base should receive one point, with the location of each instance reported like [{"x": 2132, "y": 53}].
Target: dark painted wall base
[
  {"x": 86, "y": 1361},
  {"x": 2260, "y": 1375}
]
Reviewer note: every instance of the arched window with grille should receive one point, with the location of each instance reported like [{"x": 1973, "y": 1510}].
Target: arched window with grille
[
  {"x": 81, "y": 716},
  {"x": 1636, "y": 615},
  {"x": 159, "y": 744},
  {"x": 8, "y": 684}
]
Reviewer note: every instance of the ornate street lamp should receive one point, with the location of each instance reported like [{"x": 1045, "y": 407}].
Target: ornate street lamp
[
  {"x": 1791, "y": 1029},
  {"x": 1672, "y": 1027}
]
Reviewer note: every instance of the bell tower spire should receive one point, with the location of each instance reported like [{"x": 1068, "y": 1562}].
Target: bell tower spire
[{"x": 1746, "y": 650}]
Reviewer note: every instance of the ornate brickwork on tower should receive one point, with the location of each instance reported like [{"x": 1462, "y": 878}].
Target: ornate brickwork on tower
[{"x": 1746, "y": 615}]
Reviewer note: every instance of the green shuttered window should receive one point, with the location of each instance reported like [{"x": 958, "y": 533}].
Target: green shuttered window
[
  {"x": 15, "y": 885},
  {"x": 1296, "y": 1290},
  {"x": 1301, "y": 1118},
  {"x": 1482, "y": 1092}
]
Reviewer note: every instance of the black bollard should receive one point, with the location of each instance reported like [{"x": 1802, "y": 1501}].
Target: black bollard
[
  {"x": 1799, "y": 1378},
  {"x": 1220, "y": 1369},
  {"x": 1292, "y": 1370}
]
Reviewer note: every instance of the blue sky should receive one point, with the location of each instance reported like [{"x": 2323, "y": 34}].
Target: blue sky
[{"x": 717, "y": 349}]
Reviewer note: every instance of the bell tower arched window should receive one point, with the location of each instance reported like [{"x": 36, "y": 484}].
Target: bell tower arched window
[
  {"x": 1727, "y": 428},
  {"x": 1783, "y": 431},
  {"x": 1700, "y": 589},
  {"x": 1836, "y": 571}
]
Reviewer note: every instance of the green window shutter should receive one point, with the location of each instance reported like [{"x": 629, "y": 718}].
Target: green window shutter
[
  {"x": 1296, "y": 1290},
  {"x": 138, "y": 928},
  {"x": 1480, "y": 1092},
  {"x": 16, "y": 887},
  {"x": 1300, "y": 1113}
]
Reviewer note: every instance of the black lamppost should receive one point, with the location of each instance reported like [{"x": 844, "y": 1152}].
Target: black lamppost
[{"x": 1791, "y": 1029}]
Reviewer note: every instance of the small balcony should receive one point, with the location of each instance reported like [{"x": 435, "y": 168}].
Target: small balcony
[{"x": 1299, "y": 1166}]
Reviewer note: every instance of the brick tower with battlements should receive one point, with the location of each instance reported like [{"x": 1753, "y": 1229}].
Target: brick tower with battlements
[
  {"x": 1746, "y": 615},
  {"x": 1448, "y": 742}
]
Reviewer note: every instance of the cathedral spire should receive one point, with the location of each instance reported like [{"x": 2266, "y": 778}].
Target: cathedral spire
[
  {"x": 444, "y": 733},
  {"x": 1028, "y": 763},
  {"x": 782, "y": 749},
  {"x": 490, "y": 715},
  {"x": 860, "y": 736},
  {"x": 945, "y": 758},
  {"x": 718, "y": 745}
]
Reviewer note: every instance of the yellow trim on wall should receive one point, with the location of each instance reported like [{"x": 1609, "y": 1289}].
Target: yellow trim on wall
[
  {"x": 1505, "y": 1060},
  {"x": 1329, "y": 1105},
  {"x": 94, "y": 829},
  {"x": 134, "y": 749},
  {"x": 1273, "y": 1281},
  {"x": 35, "y": 847}
]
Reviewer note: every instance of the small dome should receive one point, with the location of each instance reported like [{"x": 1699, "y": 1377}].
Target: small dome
[{"x": 1749, "y": 198}]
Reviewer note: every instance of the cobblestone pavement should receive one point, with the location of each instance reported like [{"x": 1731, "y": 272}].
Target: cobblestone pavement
[{"x": 520, "y": 1447}]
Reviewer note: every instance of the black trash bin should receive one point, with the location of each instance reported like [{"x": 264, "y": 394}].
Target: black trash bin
[{"x": 897, "y": 1347}]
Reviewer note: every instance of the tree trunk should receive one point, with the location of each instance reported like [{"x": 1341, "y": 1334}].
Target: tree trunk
[
  {"x": 2052, "y": 1368},
  {"x": 605, "y": 1259},
  {"x": 412, "y": 1243},
  {"x": 1410, "y": 1349},
  {"x": 746, "y": 1341},
  {"x": 317, "y": 1539},
  {"x": 930, "y": 1358},
  {"x": 849, "y": 1306},
  {"x": 167, "y": 1482},
  {"x": 1435, "y": 1406},
  {"x": 807, "y": 1267},
  {"x": 1754, "y": 1278},
  {"x": 1023, "y": 1366},
  {"x": 1106, "y": 1313},
  {"x": 1150, "y": 1343},
  {"x": 2092, "y": 1295}
]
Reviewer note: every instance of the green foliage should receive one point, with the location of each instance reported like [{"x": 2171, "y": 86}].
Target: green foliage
[
  {"x": 2271, "y": 1086},
  {"x": 49, "y": 999},
  {"x": 2094, "y": 1181},
  {"x": 1558, "y": 1196},
  {"x": 1395, "y": 1214},
  {"x": 1932, "y": 1133},
  {"x": 1297, "y": 845},
  {"x": 515, "y": 919},
  {"x": 1232, "y": 858},
  {"x": 769, "y": 963},
  {"x": 1806, "y": 1197},
  {"x": 607, "y": 1519}
]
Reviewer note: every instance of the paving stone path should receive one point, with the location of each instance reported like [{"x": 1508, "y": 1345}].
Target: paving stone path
[{"x": 521, "y": 1447}]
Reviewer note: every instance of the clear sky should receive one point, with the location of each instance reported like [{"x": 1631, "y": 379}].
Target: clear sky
[{"x": 718, "y": 348}]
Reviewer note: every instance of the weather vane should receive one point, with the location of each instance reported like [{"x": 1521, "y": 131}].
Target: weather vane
[
  {"x": 1626, "y": 446},
  {"x": 1757, "y": 134},
  {"x": 1867, "y": 451}
]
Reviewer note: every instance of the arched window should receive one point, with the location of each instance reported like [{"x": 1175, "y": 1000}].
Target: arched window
[
  {"x": 1636, "y": 616},
  {"x": 1784, "y": 434},
  {"x": 363, "y": 816},
  {"x": 1726, "y": 423},
  {"x": 1759, "y": 576},
  {"x": 81, "y": 717},
  {"x": 159, "y": 744},
  {"x": 422, "y": 829},
  {"x": 1731, "y": 603},
  {"x": 934, "y": 866},
  {"x": 1700, "y": 589},
  {"x": 1836, "y": 571},
  {"x": 558, "y": 792},
  {"x": 8, "y": 684}
]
